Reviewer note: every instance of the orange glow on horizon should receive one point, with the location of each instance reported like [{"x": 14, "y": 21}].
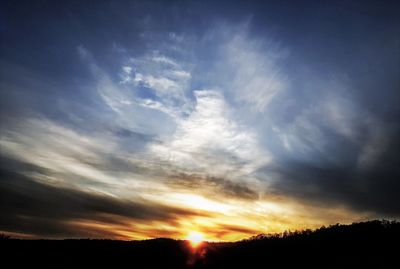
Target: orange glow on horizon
[{"x": 232, "y": 221}]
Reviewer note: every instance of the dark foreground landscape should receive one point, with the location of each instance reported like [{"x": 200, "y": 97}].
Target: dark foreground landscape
[{"x": 373, "y": 244}]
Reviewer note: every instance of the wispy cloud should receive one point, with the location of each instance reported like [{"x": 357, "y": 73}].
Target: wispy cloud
[
  {"x": 192, "y": 129},
  {"x": 209, "y": 141}
]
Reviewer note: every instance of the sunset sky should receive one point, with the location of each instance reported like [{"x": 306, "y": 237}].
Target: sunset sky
[{"x": 144, "y": 119}]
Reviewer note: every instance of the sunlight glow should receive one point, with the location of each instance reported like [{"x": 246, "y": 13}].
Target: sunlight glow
[
  {"x": 195, "y": 238},
  {"x": 198, "y": 202}
]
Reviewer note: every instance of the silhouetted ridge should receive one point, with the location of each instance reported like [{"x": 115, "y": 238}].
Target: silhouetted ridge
[{"x": 359, "y": 245}]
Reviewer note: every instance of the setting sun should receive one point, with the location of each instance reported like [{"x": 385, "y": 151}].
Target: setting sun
[{"x": 195, "y": 238}]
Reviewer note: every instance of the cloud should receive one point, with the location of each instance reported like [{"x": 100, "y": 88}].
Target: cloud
[
  {"x": 210, "y": 141},
  {"x": 56, "y": 148},
  {"x": 31, "y": 207},
  {"x": 337, "y": 152},
  {"x": 140, "y": 115},
  {"x": 215, "y": 124},
  {"x": 371, "y": 191},
  {"x": 249, "y": 68},
  {"x": 156, "y": 74},
  {"x": 206, "y": 185}
]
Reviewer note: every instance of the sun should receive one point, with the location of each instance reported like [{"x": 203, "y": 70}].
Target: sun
[{"x": 195, "y": 238}]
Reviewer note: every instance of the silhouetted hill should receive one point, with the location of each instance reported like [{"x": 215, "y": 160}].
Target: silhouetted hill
[{"x": 373, "y": 244}]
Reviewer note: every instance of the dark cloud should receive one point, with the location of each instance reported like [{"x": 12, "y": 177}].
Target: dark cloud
[
  {"x": 210, "y": 184},
  {"x": 227, "y": 229},
  {"x": 28, "y": 206},
  {"x": 372, "y": 189}
]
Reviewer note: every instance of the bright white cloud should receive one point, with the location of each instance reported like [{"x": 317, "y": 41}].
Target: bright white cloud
[
  {"x": 168, "y": 79},
  {"x": 210, "y": 141},
  {"x": 57, "y": 148}
]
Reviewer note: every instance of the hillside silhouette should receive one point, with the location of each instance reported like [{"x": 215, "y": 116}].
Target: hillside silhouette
[{"x": 372, "y": 244}]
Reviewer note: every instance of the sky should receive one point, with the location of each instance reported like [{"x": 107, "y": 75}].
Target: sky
[{"x": 144, "y": 119}]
